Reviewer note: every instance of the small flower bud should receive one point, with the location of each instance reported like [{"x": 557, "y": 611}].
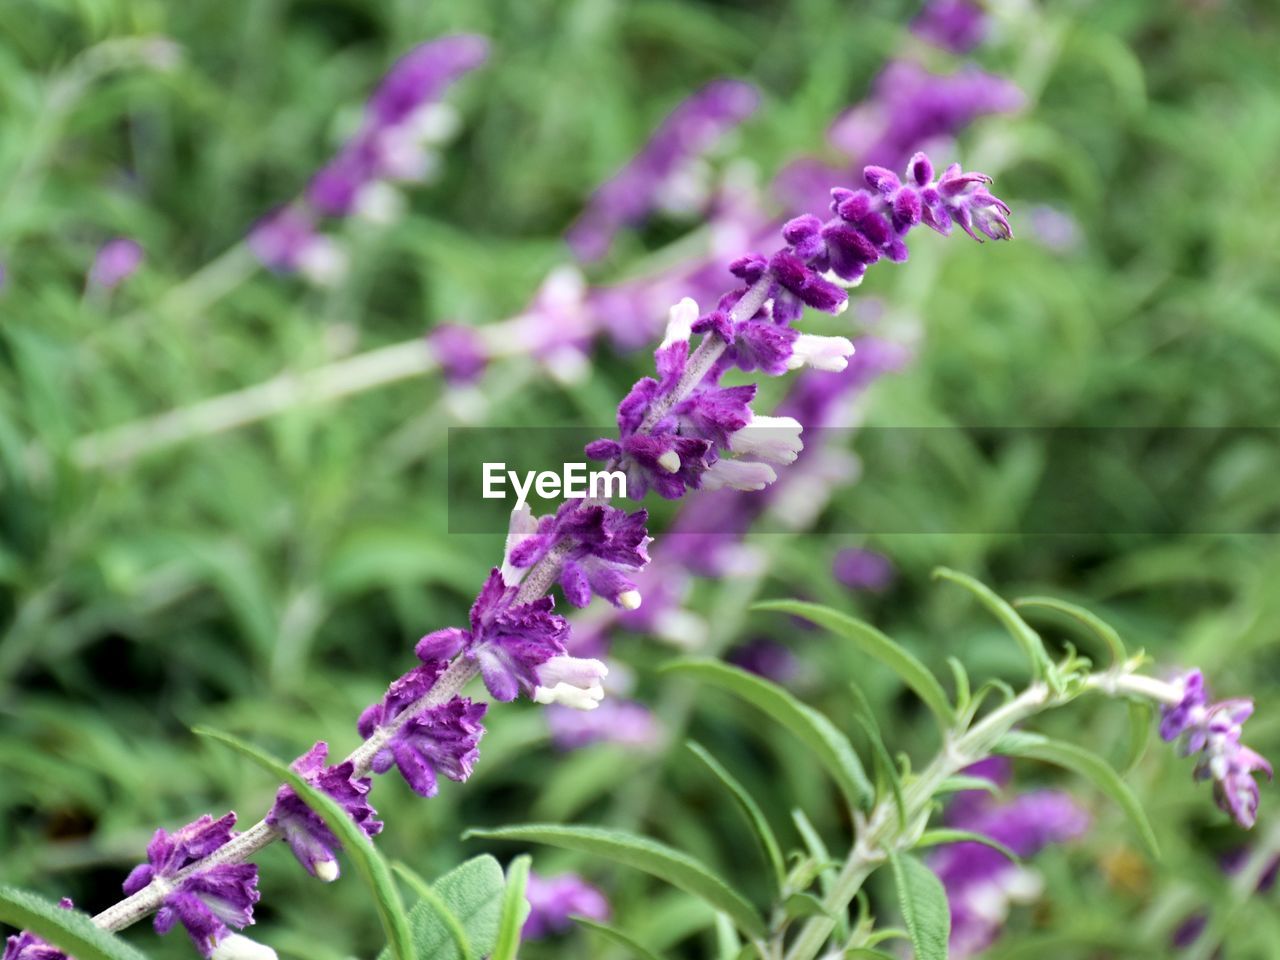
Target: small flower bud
[
  {"x": 237, "y": 947},
  {"x": 629, "y": 600},
  {"x": 670, "y": 461}
]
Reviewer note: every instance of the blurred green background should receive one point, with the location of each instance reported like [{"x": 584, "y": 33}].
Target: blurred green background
[{"x": 271, "y": 580}]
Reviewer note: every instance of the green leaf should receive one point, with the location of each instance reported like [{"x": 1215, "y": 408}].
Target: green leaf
[
  {"x": 446, "y": 916},
  {"x": 933, "y": 838},
  {"x": 924, "y": 906},
  {"x": 959, "y": 781},
  {"x": 874, "y": 644},
  {"x": 867, "y": 953},
  {"x": 71, "y": 931},
  {"x": 831, "y": 747},
  {"x": 614, "y": 935},
  {"x": 359, "y": 848},
  {"x": 657, "y": 859},
  {"x": 751, "y": 809},
  {"x": 515, "y": 909},
  {"x": 1141, "y": 714},
  {"x": 1088, "y": 765},
  {"x": 1041, "y": 666},
  {"x": 471, "y": 896},
  {"x": 801, "y": 905},
  {"x": 1103, "y": 630},
  {"x": 888, "y": 771}
]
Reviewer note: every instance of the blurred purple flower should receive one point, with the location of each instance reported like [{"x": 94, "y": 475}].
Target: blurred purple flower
[
  {"x": 767, "y": 658},
  {"x": 116, "y": 261},
  {"x": 208, "y": 902},
  {"x": 27, "y": 946},
  {"x": 615, "y": 721},
  {"x": 860, "y": 569},
  {"x": 665, "y": 171},
  {"x": 981, "y": 883},
  {"x": 460, "y": 351},
  {"x": 310, "y": 839},
  {"x": 954, "y": 25},
  {"x": 1054, "y": 229},
  {"x": 1213, "y": 731},
  {"x": 286, "y": 241},
  {"x": 553, "y": 900}
]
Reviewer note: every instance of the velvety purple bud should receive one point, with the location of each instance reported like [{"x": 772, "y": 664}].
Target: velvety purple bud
[
  {"x": 401, "y": 694},
  {"x": 574, "y": 583},
  {"x": 510, "y": 640},
  {"x": 650, "y": 453},
  {"x": 1175, "y": 720},
  {"x": 333, "y": 189},
  {"x": 876, "y": 228},
  {"x": 310, "y": 839},
  {"x": 863, "y": 569},
  {"x": 920, "y": 170},
  {"x": 439, "y": 740},
  {"x": 763, "y": 346},
  {"x": 116, "y": 261},
  {"x": 635, "y": 405},
  {"x": 906, "y": 209},
  {"x": 896, "y": 250},
  {"x": 553, "y": 900},
  {"x": 442, "y": 644},
  {"x": 460, "y": 351},
  {"x": 717, "y": 322},
  {"x": 953, "y": 25},
  {"x": 849, "y": 251},
  {"x": 881, "y": 180},
  {"x": 714, "y": 413},
  {"x": 750, "y": 268},
  {"x": 798, "y": 230},
  {"x": 603, "y": 449}
]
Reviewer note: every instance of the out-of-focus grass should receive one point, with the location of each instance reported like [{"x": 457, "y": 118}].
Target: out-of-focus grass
[{"x": 271, "y": 580}]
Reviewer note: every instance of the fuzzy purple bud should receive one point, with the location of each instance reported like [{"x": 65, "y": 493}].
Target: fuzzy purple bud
[
  {"x": 310, "y": 839},
  {"x": 953, "y": 25},
  {"x": 861, "y": 569},
  {"x": 208, "y": 902},
  {"x": 460, "y": 351}
]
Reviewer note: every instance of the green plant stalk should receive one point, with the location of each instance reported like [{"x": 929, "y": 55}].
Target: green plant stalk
[{"x": 883, "y": 831}]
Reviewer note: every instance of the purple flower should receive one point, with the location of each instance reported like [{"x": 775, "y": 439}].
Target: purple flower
[
  {"x": 433, "y": 740},
  {"x": 116, "y": 261},
  {"x": 518, "y": 646},
  {"x": 601, "y": 547},
  {"x": 861, "y": 569},
  {"x": 310, "y": 839},
  {"x": 286, "y": 241},
  {"x": 27, "y": 946},
  {"x": 553, "y": 900},
  {"x": 616, "y": 721},
  {"x": 665, "y": 172},
  {"x": 460, "y": 351},
  {"x": 1213, "y": 730},
  {"x": 208, "y": 901},
  {"x": 400, "y": 120},
  {"x": 909, "y": 109},
  {"x": 981, "y": 883},
  {"x": 954, "y": 25}
]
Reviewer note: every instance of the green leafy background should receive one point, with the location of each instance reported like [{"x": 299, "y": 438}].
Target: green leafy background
[{"x": 271, "y": 580}]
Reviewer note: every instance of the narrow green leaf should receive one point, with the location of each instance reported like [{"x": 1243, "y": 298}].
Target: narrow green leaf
[
  {"x": 933, "y": 838},
  {"x": 71, "y": 931},
  {"x": 515, "y": 908},
  {"x": 614, "y": 935},
  {"x": 961, "y": 676},
  {"x": 887, "y": 933},
  {"x": 817, "y": 849},
  {"x": 763, "y": 832},
  {"x": 728, "y": 943},
  {"x": 1041, "y": 666},
  {"x": 359, "y": 848},
  {"x": 874, "y": 644},
  {"x": 801, "y": 905},
  {"x": 884, "y": 763},
  {"x": 436, "y": 902},
  {"x": 470, "y": 895},
  {"x": 831, "y": 747},
  {"x": 867, "y": 953},
  {"x": 1103, "y": 630},
  {"x": 924, "y": 906},
  {"x": 1141, "y": 714},
  {"x": 657, "y": 859},
  {"x": 959, "y": 782},
  {"x": 1088, "y": 765}
]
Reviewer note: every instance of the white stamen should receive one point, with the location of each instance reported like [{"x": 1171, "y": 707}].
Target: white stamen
[
  {"x": 680, "y": 321},
  {"x": 670, "y": 461},
  {"x": 629, "y": 599},
  {"x": 738, "y": 474},
  {"x": 821, "y": 353},
  {"x": 234, "y": 946},
  {"x": 327, "y": 870}
]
